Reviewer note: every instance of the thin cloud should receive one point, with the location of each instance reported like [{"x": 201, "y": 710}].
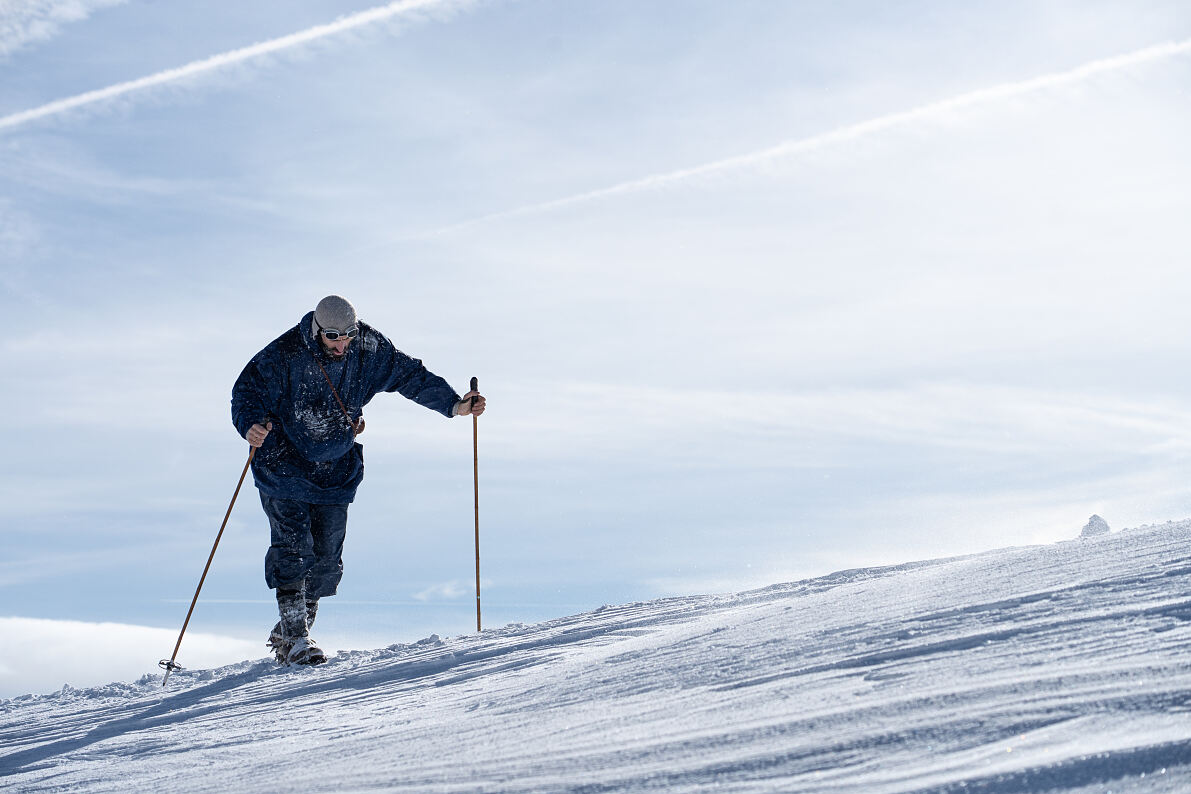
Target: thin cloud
[
  {"x": 402, "y": 8},
  {"x": 25, "y": 21},
  {"x": 815, "y": 426},
  {"x": 447, "y": 591},
  {"x": 851, "y": 132}
]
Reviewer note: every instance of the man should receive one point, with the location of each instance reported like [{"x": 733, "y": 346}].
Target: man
[{"x": 299, "y": 403}]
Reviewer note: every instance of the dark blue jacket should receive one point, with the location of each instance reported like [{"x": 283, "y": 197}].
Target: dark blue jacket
[{"x": 311, "y": 454}]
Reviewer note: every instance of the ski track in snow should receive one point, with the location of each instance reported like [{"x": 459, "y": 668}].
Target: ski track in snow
[{"x": 1061, "y": 668}]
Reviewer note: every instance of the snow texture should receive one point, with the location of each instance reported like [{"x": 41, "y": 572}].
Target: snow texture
[
  {"x": 1095, "y": 526},
  {"x": 1063, "y": 668}
]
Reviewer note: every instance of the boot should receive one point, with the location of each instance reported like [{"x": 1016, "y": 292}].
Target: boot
[
  {"x": 304, "y": 651},
  {"x": 290, "y": 638},
  {"x": 277, "y": 642}
]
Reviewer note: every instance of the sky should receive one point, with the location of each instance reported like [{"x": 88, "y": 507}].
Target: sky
[{"x": 756, "y": 291}]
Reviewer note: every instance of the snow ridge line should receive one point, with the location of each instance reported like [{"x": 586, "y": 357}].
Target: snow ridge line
[{"x": 430, "y": 656}]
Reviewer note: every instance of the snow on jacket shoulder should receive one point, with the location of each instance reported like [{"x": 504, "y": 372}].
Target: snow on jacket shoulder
[{"x": 311, "y": 454}]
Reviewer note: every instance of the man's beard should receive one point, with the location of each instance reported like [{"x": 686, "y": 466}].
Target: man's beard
[{"x": 330, "y": 351}]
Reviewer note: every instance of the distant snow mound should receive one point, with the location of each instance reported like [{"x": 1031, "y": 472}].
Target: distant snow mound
[{"x": 1095, "y": 526}]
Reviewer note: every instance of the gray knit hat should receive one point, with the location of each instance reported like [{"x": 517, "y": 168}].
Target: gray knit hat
[{"x": 335, "y": 313}]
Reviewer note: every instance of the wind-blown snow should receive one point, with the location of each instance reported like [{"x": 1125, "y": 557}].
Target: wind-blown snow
[{"x": 1054, "y": 668}]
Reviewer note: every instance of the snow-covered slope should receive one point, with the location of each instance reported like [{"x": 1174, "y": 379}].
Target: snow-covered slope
[{"x": 1054, "y": 668}]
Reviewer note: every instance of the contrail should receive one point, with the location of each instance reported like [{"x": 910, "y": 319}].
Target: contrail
[
  {"x": 393, "y": 10},
  {"x": 851, "y": 132}
]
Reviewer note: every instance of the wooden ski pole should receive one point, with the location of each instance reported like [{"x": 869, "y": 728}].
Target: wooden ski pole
[
  {"x": 475, "y": 452},
  {"x": 169, "y": 664}
]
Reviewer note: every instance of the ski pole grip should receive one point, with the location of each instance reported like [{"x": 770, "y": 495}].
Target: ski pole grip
[{"x": 475, "y": 386}]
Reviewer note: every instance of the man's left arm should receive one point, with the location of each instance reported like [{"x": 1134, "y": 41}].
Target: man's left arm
[{"x": 398, "y": 372}]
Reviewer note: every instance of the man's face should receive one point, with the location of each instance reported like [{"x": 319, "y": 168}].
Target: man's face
[{"x": 336, "y": 348}]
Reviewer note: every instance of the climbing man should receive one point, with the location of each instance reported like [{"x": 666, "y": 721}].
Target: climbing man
[{"x": 299, "y": 402}]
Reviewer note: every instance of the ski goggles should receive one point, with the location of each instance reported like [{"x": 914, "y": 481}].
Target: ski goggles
[{"x": 332, "y": 334}]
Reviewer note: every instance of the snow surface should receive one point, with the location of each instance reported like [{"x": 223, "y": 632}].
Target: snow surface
[{"x": 1053, "y": 668}]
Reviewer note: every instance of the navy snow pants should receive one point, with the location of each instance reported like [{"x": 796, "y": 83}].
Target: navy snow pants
[{"x": 306, "y": 545}]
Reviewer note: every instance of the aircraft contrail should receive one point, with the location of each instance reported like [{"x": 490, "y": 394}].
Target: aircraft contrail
[
  {"x": 371, "y": 16},
  {"x": 850, "y": 132}
]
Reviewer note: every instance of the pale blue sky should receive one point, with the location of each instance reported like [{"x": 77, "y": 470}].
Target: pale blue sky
[{"x": 757, "y": 291}]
